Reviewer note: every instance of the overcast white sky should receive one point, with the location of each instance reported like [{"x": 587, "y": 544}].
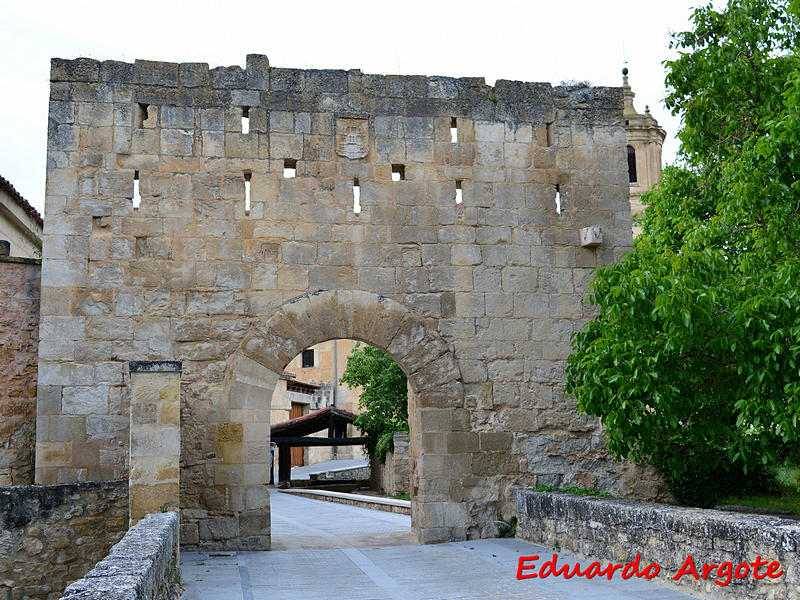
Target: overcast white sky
[{"x": 533, "y": 40}]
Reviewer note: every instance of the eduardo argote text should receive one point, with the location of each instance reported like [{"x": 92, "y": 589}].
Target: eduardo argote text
[{"x": 721, "y": 574}]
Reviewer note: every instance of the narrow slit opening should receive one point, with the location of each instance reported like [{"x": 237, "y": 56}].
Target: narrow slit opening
[
  {"x": 549, "y": 128},
  {"x": 247, "y": 176},
  {"x": 453, "y": 130},
  {"x": 141, "y": 114},
  {"x": 356, "y": 197},
  {"x": 398, "y": 172},
  {"x": 289, "y": 168},
  {"x": 558, "y": 199},
  {"x": 137, "y": 198},
  {"x": 245, "y": 119},
  {"x": 459, "y": 197},
  {"x": 632, "y": 178}
]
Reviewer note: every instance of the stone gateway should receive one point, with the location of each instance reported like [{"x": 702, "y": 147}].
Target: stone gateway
[{"x": 225, "y": 219}]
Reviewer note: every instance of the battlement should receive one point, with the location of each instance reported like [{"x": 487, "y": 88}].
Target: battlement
[{"x": 347, "y": 92}]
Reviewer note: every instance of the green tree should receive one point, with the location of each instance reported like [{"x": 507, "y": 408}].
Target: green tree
[
  {"x": 383, "y": 400},
  {"x": 693, "y": 360}
]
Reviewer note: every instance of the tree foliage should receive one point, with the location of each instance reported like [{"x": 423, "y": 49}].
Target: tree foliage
[
  {"x": 693, "y": 360},
  {"x": 384, "y": 396}
]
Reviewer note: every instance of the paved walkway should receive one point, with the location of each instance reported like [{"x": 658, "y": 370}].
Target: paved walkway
[
  {"x": 328, "y": 465},
  {"x": 357, "y": 557}
]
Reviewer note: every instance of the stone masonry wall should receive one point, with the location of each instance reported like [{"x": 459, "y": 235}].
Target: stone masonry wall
[
  {"x": 484, "y": 293},
  {"x": 616, "y": 530},
  {"x": 393, "y": 476},
  {"x": 19, "y": 339},
  {"x": 52, "y": 535},
  {"x": 144, "y": 565}
]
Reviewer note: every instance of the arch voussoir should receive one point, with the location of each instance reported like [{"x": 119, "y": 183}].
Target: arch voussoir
[
  {"x": 417, "y": 344},
  {"x": 293, "y": 318},
  {"x": 375, "y": 319},
  {"x": 268, "y": 350},
  {"x": 326, "y": 312}
]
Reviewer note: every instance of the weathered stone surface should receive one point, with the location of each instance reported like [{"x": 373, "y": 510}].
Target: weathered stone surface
[
  {"x": 155, "y": 438},
  {"x": 617, "y": 530},
  {"x": 19, "y": 337},
  {"x": 475, "y": 301},
  {"x": 51, "y": 535},
  {"x": 393, "y": 476}
]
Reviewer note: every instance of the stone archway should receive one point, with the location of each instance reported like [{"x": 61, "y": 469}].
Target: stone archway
[{"x": 434, "y": 382}]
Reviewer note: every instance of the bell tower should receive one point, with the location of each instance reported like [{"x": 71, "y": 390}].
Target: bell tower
[{"x": 644, "y": 141}]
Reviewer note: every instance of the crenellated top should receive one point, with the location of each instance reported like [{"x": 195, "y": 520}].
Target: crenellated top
[{"x": 339, "y": 91}]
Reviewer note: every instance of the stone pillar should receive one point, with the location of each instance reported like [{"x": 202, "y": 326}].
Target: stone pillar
[
  {"x": 244, "y": 444},
  {"x": 155, "y": 442}
]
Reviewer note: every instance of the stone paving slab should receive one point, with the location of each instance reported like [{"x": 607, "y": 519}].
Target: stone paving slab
[
  {"x": 374, "y": 569},
  {"x": 481, "y": 569}
]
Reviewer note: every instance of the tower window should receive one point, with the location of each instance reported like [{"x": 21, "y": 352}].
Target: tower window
[
  {"x": 308, "y": 358},
  {"x": 137, "y": 197},
  {"x": 453, "y": 130},
  {"x": 289, "y": 168},
  {"x": 632, "y": 165},
  {"x": 245, "y": 119},
  {"x": 141, "y": 114},
  {"x": 558, "y": 199},
  {"x": 398, "y": 172},
  {"x": 356, "y": 197},
  {"x": 247, "y": 177}
]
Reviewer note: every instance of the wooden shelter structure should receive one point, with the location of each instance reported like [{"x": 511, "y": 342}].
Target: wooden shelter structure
[{"x": 297, "y": 433}]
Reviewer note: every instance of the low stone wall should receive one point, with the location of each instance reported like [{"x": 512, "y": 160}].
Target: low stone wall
[
  {"x": 402, "y": 507},
  {"x": 616, "y": 531},
  {"x": 51, "y": 535},
  {"x": 394, "y": 475},
  {"x": 19, "y": 342},
  {"x": 353, "y": 473},
  {"x": 145, "y": 565}
]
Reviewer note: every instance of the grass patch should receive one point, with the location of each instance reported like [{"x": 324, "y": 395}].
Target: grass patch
[
  {"x": 787, "y": 499},
  {"x": 402, "y": 497},
  {"x": 575, "y": 491},
  {"x": 506, "y": 529},
  {"x": 789, "y": 478}
]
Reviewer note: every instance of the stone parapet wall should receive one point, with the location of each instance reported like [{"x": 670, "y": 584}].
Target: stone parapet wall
[
  {"x": 51, "y": 535},
  {"x": 144, "y": 565},
  {"x": 611, "y": 530},
  {"x": 19, "y": 340}
]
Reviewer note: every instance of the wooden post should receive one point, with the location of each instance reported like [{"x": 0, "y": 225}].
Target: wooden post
[{"x": 284, "y": 464}]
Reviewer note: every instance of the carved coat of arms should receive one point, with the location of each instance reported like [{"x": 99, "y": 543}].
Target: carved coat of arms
[{"x": 352, "y": 138}]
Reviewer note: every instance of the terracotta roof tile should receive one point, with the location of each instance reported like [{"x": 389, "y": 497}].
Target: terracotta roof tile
[{"x": 5, "y": 184}]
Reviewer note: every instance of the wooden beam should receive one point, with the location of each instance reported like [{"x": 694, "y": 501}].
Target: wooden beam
[{"x": 315, "y": 441}]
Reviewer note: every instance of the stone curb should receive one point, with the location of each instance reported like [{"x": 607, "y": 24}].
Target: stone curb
[{"x": 402, "y": 507}]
